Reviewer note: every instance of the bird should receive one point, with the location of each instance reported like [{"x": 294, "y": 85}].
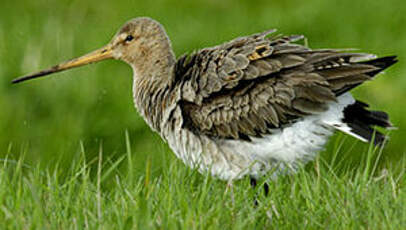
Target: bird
[{"x": 257, "y": 105}]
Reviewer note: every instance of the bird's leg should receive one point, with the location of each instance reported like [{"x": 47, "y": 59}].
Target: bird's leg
[
  {"x": 253, "y": 183},
  {"x": 266, "y": 189}
]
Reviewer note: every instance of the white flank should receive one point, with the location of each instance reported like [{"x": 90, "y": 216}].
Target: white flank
[{"x": 280, "y": 152}]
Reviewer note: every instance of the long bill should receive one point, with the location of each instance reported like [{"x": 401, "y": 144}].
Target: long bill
[{"x": 103, "y": 53}]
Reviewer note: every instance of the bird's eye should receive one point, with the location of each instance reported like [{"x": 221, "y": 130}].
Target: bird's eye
[{"x": 129, "y": 38}]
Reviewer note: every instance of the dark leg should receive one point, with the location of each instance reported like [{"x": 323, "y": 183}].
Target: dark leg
[
  {"x": 266, "y": 189},
  {"x": 253, "y": 183}
]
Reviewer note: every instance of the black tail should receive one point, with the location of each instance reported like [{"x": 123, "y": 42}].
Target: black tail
[
  {"x": 380, "y": 64},
  {"x": 363, "y": 121}
]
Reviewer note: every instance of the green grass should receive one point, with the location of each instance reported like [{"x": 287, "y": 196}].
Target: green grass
[
  {"x": 53, "y": 130},
  {"x": 93, "y": 104},
  {"x": 102, "y": 197}
]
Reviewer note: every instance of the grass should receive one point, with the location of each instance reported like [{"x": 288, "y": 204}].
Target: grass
[
  {"x": 93, "y": 104},
  {"x": 68, "y": 160},
  {"x": 102, "y": 197}
]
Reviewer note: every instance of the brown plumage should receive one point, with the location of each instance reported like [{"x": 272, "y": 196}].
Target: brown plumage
[
  {"x": 249, "y": 105},
  {"x": 254, "y": 83}
]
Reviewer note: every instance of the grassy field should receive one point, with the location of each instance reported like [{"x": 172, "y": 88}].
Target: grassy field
[
  {"x": 75, "y": 154},
  {"x": 319, "y": 197}
]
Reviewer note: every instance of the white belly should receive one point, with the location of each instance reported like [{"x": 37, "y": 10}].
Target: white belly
[
  {"x": 284, "y": 149},
  {"x": 281, "y": 151}
]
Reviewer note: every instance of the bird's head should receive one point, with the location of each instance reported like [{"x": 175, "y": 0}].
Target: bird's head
[{"x": 135, "y": 43}]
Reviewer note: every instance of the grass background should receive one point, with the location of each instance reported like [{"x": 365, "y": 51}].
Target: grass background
[{"x": 53, "y": 130}]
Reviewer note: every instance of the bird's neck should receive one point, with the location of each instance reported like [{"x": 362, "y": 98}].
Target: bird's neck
[{"x": 153, "y": 82}]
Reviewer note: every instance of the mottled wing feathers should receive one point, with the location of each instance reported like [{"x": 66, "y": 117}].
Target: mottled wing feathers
[{"x": 252, "y": 84}]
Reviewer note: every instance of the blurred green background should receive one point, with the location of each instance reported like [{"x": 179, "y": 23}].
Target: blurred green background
[{"x": 51, "y": 119}]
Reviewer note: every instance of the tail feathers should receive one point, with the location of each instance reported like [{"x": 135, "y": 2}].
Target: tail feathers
[
  {"x": 380, "y": 63},
  {"x": 362, "y": 122},
  {"x": 349, "y": 73}
]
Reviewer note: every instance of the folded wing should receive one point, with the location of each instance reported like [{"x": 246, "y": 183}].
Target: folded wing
[{"x": 250, "y": 85}]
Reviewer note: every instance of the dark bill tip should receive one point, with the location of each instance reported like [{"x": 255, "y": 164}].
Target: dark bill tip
[
  {"x": 36, "y": 75},
  {"x": 92, "y": 57}
]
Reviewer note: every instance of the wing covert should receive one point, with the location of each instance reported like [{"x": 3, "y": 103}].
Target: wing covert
[{"x": 253, "y": 84}]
